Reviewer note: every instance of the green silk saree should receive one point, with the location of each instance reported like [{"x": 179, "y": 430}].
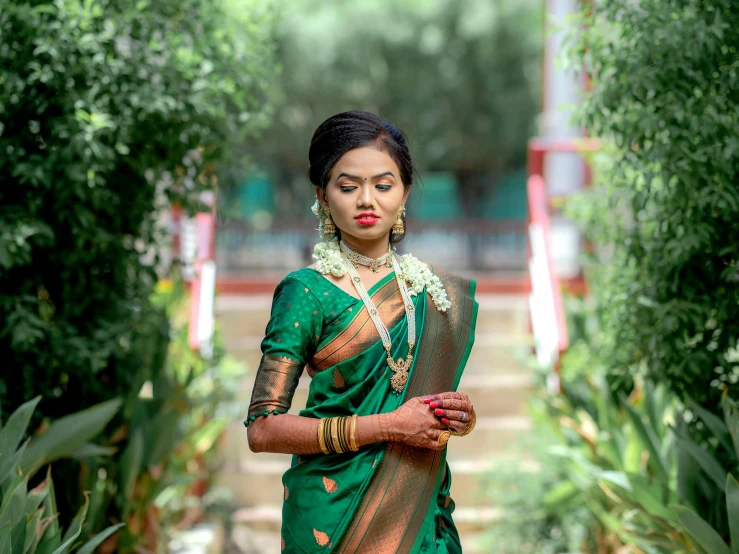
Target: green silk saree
[{"x": 387, "y": 497}]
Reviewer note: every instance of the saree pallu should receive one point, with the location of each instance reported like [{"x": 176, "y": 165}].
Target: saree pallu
[{"x": 387, "y": 497}]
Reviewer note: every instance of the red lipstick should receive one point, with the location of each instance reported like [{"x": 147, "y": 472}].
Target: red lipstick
[{"x": 367, "y": 218}]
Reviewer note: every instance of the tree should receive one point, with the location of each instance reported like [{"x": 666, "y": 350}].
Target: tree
[
  {"x": 109, "y": 111},
  {"x": 461, "y": 78},
  {"x": 670, "y": 208}
]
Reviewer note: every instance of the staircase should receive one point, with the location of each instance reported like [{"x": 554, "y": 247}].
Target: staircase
[{"x": 494, "y": 379}]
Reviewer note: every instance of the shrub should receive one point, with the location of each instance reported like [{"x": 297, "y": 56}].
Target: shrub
[
  {"x": 110, "y": 111},
  {"x": 665, "y": 85}
]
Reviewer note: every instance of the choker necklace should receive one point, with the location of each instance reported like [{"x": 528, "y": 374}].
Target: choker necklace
[
  {"x": 373, "y": 263},
  {"x": 401, "y": 366}
]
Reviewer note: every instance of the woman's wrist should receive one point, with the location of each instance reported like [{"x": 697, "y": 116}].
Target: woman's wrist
[{"x": 374, "y": 428}]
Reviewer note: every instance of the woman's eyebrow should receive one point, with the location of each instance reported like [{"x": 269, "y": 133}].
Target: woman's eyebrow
[{"x": 358, "y": 178}]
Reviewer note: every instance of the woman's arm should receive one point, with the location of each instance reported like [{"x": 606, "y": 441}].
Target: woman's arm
[
  {"x": 416, "y": 423},
  {"x": 291, "y": 434}
]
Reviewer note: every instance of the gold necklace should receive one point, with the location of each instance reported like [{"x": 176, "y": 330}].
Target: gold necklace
[
  {"x": 373, "y": 263},
  {"x": 401, "y": 367}
]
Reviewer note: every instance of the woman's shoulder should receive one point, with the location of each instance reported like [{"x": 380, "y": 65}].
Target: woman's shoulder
[{"x": 305, "y": 276}]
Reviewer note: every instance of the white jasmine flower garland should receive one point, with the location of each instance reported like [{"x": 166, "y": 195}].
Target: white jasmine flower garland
[{"x": 416, "y": 273}]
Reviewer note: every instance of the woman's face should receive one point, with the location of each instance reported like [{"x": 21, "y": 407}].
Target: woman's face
[{"x": 361, "y": 176}]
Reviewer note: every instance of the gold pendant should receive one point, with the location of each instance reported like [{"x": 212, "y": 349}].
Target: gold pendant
[
  {"x": 398, "y": 381},
  {"x": 400, "y": 368}
]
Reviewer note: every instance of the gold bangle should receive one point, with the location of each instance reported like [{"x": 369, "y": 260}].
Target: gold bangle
[
  {"x": 345, "y": 433},
  {"x": 321, "y": 442},
  {"x": 335, "y": 435},
  {"x": 469, "y": 429},
  {"x": 353, "y": 436}
]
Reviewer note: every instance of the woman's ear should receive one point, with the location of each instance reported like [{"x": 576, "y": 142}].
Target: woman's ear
[{"x": 321, "y": 195}]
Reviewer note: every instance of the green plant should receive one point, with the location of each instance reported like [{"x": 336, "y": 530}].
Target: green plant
[
  {"x": 664, "y": 213},
  {"x": 28, "y": 518},
  {"x": 175, "y": 416},
  {"x": 110, "y": 112},
  {"x": 643, "y": 480}
]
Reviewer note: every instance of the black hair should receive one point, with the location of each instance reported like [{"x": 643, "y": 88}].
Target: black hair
[{"x": 346, "y": 131}]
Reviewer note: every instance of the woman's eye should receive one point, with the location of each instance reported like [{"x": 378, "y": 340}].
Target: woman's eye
[
  {"x": 346, "y": 188},
  {"x": 384, "y": 187}
]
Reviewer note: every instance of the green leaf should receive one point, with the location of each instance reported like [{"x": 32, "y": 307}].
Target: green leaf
[
  {"x": 89, "y": 450},
  {"x": 33, "y": 530},
  {"x": 731, "y": 415},
  {"x": 707, "y": 462},
  {"x": 560, "y": 494},
  {"x": 131, "y": 463},
  {"x": 732, "y": 510},
  {"x": 90, "y": 546},
  {"x": 713, "y": 423},
  {"x": 52, "y": 532},
  {"x": 5, "y": 537},
  {"x": 11, "y": 435},
  {"x": 701, "y": 531},
  {"x": 647, "y": 441},
  {"x": 36, "y": 495},
  {"x": 13, "y": 431},
  {"x": 67, "y": 434},
  {"x": 74, "y": 530}
]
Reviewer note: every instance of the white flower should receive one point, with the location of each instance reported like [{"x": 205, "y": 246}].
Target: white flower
[{"x": 416, "y": 273}]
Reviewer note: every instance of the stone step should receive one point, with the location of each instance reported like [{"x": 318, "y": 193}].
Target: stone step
[{"x": 256, "y": 479}]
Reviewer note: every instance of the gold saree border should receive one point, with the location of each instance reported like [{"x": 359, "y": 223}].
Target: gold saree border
[
  {"x": 392, "y": 513},
  {"x": 360, "y": 333},
  {"x": 275, "y": 383}
]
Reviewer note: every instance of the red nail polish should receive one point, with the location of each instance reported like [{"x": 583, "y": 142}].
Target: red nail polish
[
  {"x": 438, "y": 411},
  {"x": 434, "y": 404},
  {"x": 444, "y": 420},
  {"x": 426, "y": 400}
]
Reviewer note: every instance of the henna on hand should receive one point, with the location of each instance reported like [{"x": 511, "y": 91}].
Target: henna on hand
[
  {"x": 284, "y": 434},
  {"x": 414, "y": 424},
  {"x": 291, "y": 434},
  {"x": 454, "y": 409}
]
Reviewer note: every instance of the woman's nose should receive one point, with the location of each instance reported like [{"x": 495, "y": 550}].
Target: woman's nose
[{"x": 366, "y": 196}]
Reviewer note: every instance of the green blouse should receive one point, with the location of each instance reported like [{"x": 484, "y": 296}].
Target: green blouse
[{"x": 307, "y": 310}]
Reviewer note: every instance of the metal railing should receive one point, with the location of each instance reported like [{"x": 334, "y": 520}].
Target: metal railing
[{"x": 471, "y": 244}]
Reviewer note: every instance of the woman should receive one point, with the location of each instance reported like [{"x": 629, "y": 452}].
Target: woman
[{"x": 384, "y": 339}]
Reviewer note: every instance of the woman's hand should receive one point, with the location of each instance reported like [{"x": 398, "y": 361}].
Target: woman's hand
[
  {"x": 415, "y": 424},
  {"x": 454, "y": 409}
]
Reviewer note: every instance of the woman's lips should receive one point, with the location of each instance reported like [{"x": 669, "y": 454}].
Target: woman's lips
[{"x": 367, "y": 220}]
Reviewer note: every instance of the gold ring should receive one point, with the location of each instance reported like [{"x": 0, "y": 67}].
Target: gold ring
[{"x": 444, "y": 437}]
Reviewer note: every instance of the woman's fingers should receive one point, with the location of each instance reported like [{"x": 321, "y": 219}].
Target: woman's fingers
[
  {"x": 449, "y": 400},
  {"x": 456, "y": 415},
  {"x": 463, "y": 405},
  {"x": 458, "y": 426}
]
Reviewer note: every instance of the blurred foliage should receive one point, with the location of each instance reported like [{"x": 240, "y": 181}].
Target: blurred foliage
[
  {"x": 462, "y": 79},
  {"x": 109, "y": 113},
  {"x": 29, "y": 521},
  {"x": 665, "y": 212},
  {"x": 619, "y": 473}
]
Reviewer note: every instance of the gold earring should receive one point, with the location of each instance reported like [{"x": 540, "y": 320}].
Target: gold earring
[
  {"x": 328, "y": 227},
  {"x": 398, "y": 227}
]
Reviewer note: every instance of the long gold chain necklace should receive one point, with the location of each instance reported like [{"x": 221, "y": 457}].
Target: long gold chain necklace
[{"x": 401, "y": 366}]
